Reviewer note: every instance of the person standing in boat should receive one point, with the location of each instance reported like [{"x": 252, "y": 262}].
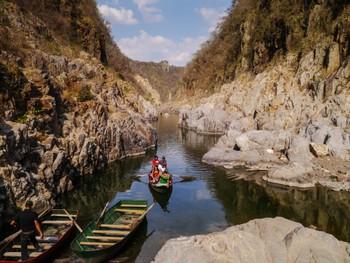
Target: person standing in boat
[{"x": 28, "y": 222}]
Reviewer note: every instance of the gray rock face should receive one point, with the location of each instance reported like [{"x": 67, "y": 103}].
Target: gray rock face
[
  {"x": 77, "y": 120},
  {"x": 260, "y": 240},
  {"x": 292, "y": 114}
]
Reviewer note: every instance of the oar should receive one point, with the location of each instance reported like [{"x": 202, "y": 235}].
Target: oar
[
  {"x": 14, "y": 235},
  {"x": 71, "y": 218},
  {"x": 185, "y": 177},
  {"x": 137, "y": 177},
  {"x": 132, "y": 225},
  {"x": 99, "y": 220}
]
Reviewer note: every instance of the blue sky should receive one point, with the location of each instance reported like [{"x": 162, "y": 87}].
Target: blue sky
[{"x": 155, "y": 30}]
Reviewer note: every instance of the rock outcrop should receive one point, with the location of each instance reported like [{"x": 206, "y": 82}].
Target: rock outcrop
[
  {"x": 260, "y": 240},
  {"x": 293, "y": 114}
]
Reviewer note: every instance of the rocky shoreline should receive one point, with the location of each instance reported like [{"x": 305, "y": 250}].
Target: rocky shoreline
[{"x": 289, "y": 120}]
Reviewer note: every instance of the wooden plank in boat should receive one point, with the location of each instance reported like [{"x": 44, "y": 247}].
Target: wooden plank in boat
[
  {"x": 56, "y": 222},
  {"x": 105, "y": 238},
  {"x": 103, "y": 244},
  {"x": 115, "y": 226},
  {"x": 129, "y": 211},
  {"x": 131, "y": 205},
  {"x": 31, "y": 247},
  {"x": 111, "y": 232},
  {"x": 62, "y": 215},
  {"x": 18, "y": 254}
]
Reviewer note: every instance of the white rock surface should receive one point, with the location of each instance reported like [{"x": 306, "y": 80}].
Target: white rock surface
[{"x": 269, "y": 240}]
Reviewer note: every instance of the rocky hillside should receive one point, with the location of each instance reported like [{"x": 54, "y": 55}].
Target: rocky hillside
[
  {"x": 285, "y": 104},
  {"x": 158, "y": 81},
  {"x": 67, "y": 103}
]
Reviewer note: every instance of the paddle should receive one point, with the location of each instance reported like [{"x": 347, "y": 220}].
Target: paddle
[
  {"x": 185, "y": 177},
  {"x": 10, "y": 238},
  {"x": 71, "y": 218},
  {"x": 133, "y": 224},
  {"x": 99, "y": 220}
]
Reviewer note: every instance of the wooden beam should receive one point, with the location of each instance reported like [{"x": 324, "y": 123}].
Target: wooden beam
[
  {"x": 63, "y": 215},
  {"x": 105, "y": 238},
  {"x": 56, "y": 222},
  {"x": 111, "y": 232},
  {"x": 131, "y": 205},
  {"x": 31, "y": 247},
  {"x": 129, "y": 211},
  {"x": 115, "y": 226},
  {"x": 103, "y": 244},
  {"x": 18, "y": 254}
]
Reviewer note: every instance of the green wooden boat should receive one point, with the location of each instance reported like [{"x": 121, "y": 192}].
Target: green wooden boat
[{"x": 104, "y": 238}]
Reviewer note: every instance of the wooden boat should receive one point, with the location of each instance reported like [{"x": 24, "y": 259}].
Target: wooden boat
[
  {"x": 57, "y": 226},
  {"x": 119, "y": 225},
  {"x": 161, "y": 198},
  {"x": 161, "y": 188}
]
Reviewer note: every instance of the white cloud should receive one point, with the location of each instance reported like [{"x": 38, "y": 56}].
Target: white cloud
[
  {"x": 150, "y": 14},
  {"x": 211, "y": 16},
  {"x": 120, "y": 16},
  {"x": 145, "y": 47}
]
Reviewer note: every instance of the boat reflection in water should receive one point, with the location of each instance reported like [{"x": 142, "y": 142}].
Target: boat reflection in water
[{"x": 162, "y": 198}]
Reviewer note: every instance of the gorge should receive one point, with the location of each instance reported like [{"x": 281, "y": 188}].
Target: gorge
[{"x": 273, "y": 81}]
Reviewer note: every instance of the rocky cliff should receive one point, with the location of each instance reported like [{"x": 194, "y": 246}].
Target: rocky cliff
[
  {"x": 68, "y": 105},
  {"x": 286, "y": 108}
]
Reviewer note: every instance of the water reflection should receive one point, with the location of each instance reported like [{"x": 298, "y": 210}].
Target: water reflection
[{"x": 318, "y": 208}]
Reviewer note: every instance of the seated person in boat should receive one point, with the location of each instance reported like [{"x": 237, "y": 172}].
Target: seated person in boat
[
  {"x": 163, "y": 162},
  {"x": 154, "y": 175},
  {"x": 28, "y": 222},
  {"x": 165, "y": 179},
  {"x": 155, "y": 161}
]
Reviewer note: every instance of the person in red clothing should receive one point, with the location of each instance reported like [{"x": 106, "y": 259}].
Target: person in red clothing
[
  {"x": 28, "y": 222},
  {"x": 154, "y": 175},
  {"x": 155, "y": 161}
]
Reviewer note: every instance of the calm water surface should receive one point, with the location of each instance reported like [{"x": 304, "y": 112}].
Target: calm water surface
[{"x": 212, "y": 203}]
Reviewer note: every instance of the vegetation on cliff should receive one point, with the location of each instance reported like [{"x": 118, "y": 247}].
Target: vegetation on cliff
[
  {"x": 255, "y": 34},
  {"x": 69, "y": 103}
]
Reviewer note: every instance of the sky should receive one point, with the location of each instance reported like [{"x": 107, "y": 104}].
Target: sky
[{"x": 156, "y": 30}]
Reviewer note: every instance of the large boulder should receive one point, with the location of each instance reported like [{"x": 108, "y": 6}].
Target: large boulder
[{"x": 258, "y": 241}]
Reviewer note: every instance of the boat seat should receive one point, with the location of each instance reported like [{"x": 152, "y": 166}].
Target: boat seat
[
  {"x": 63, "y": 215},
  {"x": 103, "y": 244},
  {"x": 57, "y": 222},
  {"x": 131, "y": 205},
  {"x": 105, "y": 238},
  {"x": 115, "y": 226},
  {"x": 111, "y": 232},
  {"x": 18, "y": 254},
  {"x": 31, "y": 247},
  {"x": 129, "y": 211}
]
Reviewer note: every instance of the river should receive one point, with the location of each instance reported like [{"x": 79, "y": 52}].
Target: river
[{"x": 216, "y": 200}]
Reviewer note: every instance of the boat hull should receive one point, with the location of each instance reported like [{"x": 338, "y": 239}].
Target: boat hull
[
  {"x": 161, "y": 189},
  {"x": 95, "y": 254},
  {"x": 49, "y": 254}
]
